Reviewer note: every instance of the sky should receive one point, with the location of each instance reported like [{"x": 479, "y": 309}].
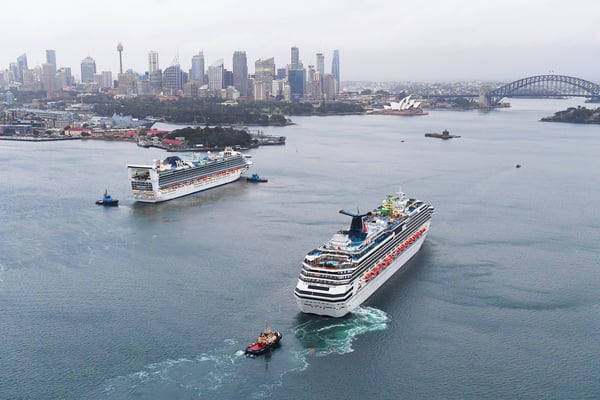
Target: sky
[{"x": 400, "y": 40}]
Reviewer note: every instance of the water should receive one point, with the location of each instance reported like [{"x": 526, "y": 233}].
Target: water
[{"x": 159, "y": 301}]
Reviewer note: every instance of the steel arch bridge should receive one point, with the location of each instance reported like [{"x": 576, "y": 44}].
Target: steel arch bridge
[{"x": 545, "y": 85}]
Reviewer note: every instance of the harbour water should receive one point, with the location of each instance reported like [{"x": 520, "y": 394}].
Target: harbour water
[{"x": 158, "y": 301}]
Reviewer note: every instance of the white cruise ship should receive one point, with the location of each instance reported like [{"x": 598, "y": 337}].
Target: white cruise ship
[
  {"x": 345, "y": 271},
  {"x": 174, "y": 177}
]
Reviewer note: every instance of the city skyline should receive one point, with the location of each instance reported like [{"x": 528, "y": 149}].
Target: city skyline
[{"x": 437, "y": 40}]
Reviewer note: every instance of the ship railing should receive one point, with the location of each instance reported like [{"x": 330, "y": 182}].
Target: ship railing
[
  {"x": 324, "y": 281},
  {"x": 335, "y": 280}
]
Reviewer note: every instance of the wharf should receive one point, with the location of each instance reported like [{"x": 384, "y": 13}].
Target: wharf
[{"x": 37, "y": 139}]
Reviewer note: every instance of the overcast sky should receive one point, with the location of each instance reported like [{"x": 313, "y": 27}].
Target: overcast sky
[{"x": 398, "y": 40}]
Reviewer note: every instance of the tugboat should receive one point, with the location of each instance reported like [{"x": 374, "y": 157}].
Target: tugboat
[
  {"x": 267, "y": 340},
  {"x": 256, "y": 179},
  {"x": 107, "y": 200}
]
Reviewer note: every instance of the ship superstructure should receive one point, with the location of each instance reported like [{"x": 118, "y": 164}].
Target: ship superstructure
[
  {"x": 346, "y": 270},
  {"x": 175, "y": 177}
]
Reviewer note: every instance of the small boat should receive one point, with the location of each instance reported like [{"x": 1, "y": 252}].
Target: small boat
[
  {"x": 267, "y": 340},
  {"x": 107, "y": 200},
  {"x": 256, "y": 179}
]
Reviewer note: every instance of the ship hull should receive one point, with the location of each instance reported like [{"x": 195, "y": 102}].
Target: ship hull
[
  {"x": 362, "y": 291},
  {"x": 188, "y": 187}
]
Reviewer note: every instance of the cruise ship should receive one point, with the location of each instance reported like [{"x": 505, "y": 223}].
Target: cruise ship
[
  {"x": 174, "y": 177},
  {"x": 346, "y": 270}
]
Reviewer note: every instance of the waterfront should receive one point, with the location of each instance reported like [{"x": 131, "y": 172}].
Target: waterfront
[{"x": 158, "y": 301}]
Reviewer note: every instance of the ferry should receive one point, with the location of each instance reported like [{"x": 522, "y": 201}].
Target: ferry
[
  {"x": 174, "y": 176},
  {"x": 345, "y": 271}
]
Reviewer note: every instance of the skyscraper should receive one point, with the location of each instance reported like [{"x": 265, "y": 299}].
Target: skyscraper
[
  {"x": 49, "y": 73},
  {"x": 295, "y": 58},
  {"x": 88, "y": 69},
  {"x": 296, "y": 80},
  {"x": 264, "y": 70},
  {"x": 320, "y": 63},
  {"x": 335, "y": 69},
  {"x": 240, "y": 72},
  {"x": 51, "y": 57},
  {"x": 153, "y": 62},
  {"x": 21, "y": 65},
  {"x": 49, "y": 79},
  {"x": 198, "y": 68},
  {"x": 172, "y": 79},
  {"x": 215, "y": 75}
]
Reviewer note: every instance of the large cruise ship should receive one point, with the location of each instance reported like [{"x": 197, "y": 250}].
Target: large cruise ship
[
  {"x": 345, "y": 271},
  {"x": 175, "y": 177}
]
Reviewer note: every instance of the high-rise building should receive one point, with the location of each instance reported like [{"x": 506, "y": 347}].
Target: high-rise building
[
  {"x": 173, "y": 79},
  {"x": 68, "y": 76},
  {"x": 107, "y": 80},
  {"x": 335, "y": 69},
  {"x": 49, "y": 79},
  {"x": 329, "y": 87},
  {"x": 88, "y": 69},
  {"x": 155, "y": 80},
  {"x": 51, "y": 57},
  {"x": 198, "y": 68},
  {"x": 227, "y": 78},
  {"x": 296, "y": 81},
  {"x": 215, "y": 75},
  {"x": 153, "y": 62},
  {"x": 264, "y": 70},
  {"x": 49, "y": 73},
  {"x": 21, "y": 65},
  {"x": 295, "y": 58},
  {"x": 14, "y": 74},
  {"x": 240, "y": 72},
  {"x": 320, "y": 63}
]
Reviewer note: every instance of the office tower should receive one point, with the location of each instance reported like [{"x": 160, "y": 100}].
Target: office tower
[
  {"x": 227, "y": 78},
  {"x": 155, "y": 79},
  {"x": 88, "y": 69},
  {"x": 68, "y": 76},
  {"x": 198, "y": 68},
  {"x": 335, "y": 69},
  {"x": 21, "y": 66},
  {"x": 296, "y": 80},
  {"x": 51, "y": 57},
  {"x": 49, "y": 73},
  {"x": 281, "y": 73},
  {"x": 320, "y": 63},
  {"x": 13, "y": 69},
  {"x": 329, "y": 87},
  {"x": 295, "y": 58},
  {"x": 120, "y": 50},
  {"x": 172, "y": 79},
  {"x": 107, "y": 80},
  {"x": 215, "y": 75},
  {"x": 264, "y": 70},
  {"x": 152, "y": 62},
  {"x": 240, "y": 72},
  {"x": 49, "y": 79}
]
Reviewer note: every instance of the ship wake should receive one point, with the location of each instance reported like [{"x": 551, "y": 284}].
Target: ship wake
[{"x": 324, "y": 336}]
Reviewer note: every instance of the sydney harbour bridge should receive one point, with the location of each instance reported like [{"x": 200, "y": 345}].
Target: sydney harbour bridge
[{"x": 538, "y": 86}]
